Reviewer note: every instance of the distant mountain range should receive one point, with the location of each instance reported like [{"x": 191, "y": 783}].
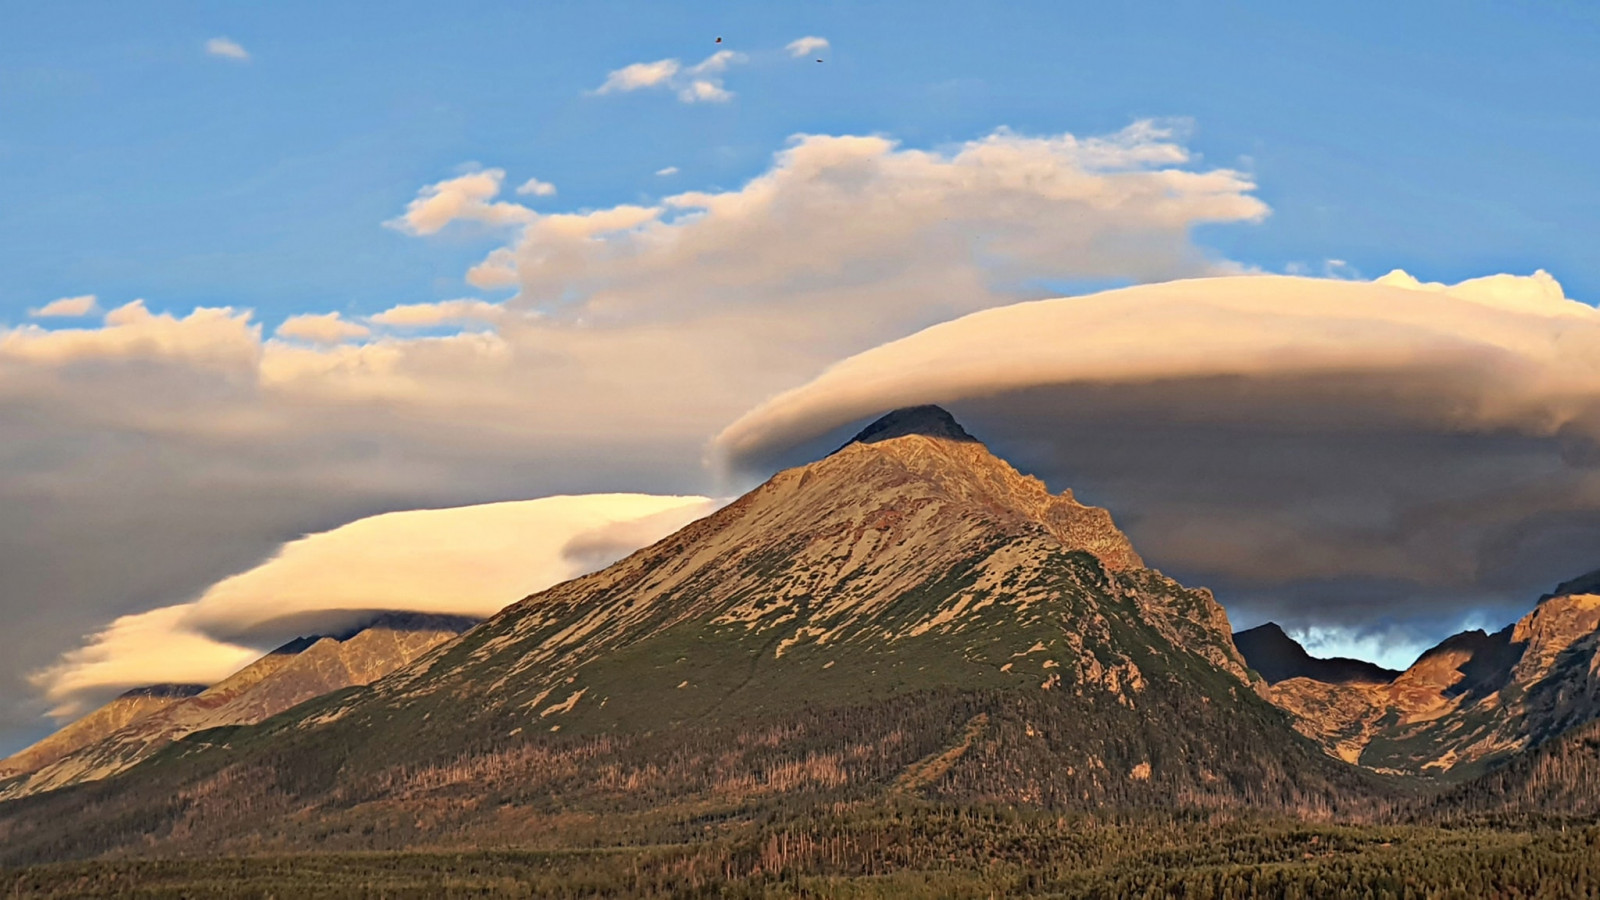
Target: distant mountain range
[
  {"x": 1278, "y": 657},
  {"x": 1470, "y": 702},
  {"x": 139, "y": 723},
  {"x": 906, "y": 617}
]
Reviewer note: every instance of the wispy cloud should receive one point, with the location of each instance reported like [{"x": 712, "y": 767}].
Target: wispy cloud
[
  {"x": 536, "y": 188},
  {"x": 669, "y": 170},
  {"x": 468, "y": 197},
  {"x": 640, "y": 75},
  {"x": 699, "y": 83},
  {"x": 227, "y": 49},
  {"x": 445, "y": 312},
  {"x": 807, "y": 46},
  {"x": 324, "y": 328},
  {"x": 67, "y": 308}
]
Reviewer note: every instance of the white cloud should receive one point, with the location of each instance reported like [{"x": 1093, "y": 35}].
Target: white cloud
[
  {"x": 699, "y": 83},
  {"x": 806, "y": 46},
  {"x": 1325, "y": 451},
  {"x": 640, "y": 75},
  {"x": 67, "y": 308},
  {"x": 704, "y": 91},
  {"x": 669, "y": 170},
  {"x": 326, "y": 328},
  {"x": 715, "y": 63},
  {"x": 207, "y": 337},
  {"x": 227, "y": 49},
  {"x": 537, "y": 188},
  {"x": 463, "y": 198},
  {"x": 136, "y": 650},
  {"x": 881, "y": 238},
  {"x": 471, "y": 561},
  {"x": 446, "y": 312}
]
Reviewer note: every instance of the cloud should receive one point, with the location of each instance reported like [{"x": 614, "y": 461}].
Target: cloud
[
  {"x": 227, "y": 49},
  {"x": 536, "y": 188},
  {"x": 447, "y": 312},
  {"x": 463, "y": 198},
  {"x": 640, "y": 75},
  {"x": 806, "y": 46},
  {"x": 67, "y": 308},
  {"x": 669, "y": 170},
  {"x": 133, "y": 651},
  {"x": 326, "y": 328},
  {"x": 472, "y": 561},
  {"x": 1326, "y": 453},
  {"x": 880, "y": 239},
  {"x": 150, "y": 455},
  {"x": 699, "y": 83},
  {"x": 704, "y": 91}
]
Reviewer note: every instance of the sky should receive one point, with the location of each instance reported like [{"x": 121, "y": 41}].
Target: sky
[{"x": 266, "y": 270}]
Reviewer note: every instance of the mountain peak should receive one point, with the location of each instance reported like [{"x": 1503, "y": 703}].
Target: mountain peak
[
  {"x": 1587, "y": 583},
  {"x": 928, "y": 421},
  {"x": 1278, "y": 657}
]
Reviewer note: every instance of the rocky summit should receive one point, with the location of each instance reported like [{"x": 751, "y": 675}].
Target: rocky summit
[{"x": 906, "y": 617}]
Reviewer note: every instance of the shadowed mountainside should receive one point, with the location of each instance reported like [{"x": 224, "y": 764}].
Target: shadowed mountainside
[{"x": 1278, "y": 657}]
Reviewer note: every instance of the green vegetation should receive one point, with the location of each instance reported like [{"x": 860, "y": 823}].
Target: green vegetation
[{"x": 909, "y": 849}]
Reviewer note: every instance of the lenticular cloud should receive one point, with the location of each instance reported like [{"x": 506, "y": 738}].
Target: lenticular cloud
[
  {"x": 470, "y": 560},
  {"x": 1324, "y": 452}
]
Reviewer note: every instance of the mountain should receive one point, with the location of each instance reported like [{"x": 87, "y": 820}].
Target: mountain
[
  {"x": 906, "y": 617},
  {"x": 1278, "y": 657},
  {"x": 96, "y": 726},
  {"x": 1472, "y": 701},
  {"x": 141, "y": 722}
]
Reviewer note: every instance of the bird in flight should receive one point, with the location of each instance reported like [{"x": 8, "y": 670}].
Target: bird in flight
[{"x": 719, "y": 40}]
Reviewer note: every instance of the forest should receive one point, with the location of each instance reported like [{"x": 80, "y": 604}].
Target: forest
[{"x": 912, "y": 849}]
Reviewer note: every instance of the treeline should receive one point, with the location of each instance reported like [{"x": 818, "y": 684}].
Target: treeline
[{"x": 911, "y": 851}]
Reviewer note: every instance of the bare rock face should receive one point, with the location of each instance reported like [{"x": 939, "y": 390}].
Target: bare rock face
[
  {"x": 123, "y": 733},
  {"x": 1473, "y": 700},
  {"x": 126, "y": 709}
]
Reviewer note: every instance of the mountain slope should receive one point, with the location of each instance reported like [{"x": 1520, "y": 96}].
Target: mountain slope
[
  {"x": 298, "y": 671},
  {"x": 1278, "y": 657},
  {"x": 908, "y": 616},
  {"x": 1472, "y": 701},
  {"x": 127, "y": 708}
]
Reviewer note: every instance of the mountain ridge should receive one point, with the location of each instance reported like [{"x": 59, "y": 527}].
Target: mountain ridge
[
  {"x": 299, "y": 670},
  {"x": 906, "y": 617},
  {"x": 1278, "y": 657},
  {"x": 1469, "y": 702}
]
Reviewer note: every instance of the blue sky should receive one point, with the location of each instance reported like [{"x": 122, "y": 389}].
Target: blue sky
[
  {"x": 144, "y": 458},
  {"x": 1452, "y": 139}
]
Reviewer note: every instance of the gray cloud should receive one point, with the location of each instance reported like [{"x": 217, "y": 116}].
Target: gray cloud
[{"x": 1349, "y": 457}]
